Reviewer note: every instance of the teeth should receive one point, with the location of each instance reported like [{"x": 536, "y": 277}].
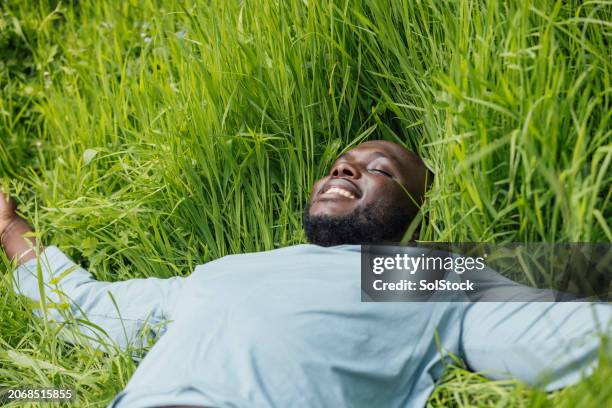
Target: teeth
[{"x": 340, "y": 191}]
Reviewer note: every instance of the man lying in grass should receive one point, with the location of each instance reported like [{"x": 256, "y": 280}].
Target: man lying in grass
[{"x": 286, "y": 328}]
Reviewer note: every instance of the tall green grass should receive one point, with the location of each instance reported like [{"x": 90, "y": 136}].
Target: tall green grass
[{"x": 151, "y": 136}]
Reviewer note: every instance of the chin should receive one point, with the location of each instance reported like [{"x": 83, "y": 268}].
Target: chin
[{"x": 330, "y": 208}]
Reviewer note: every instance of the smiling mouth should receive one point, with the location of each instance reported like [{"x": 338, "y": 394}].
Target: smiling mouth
[{"x": 338, "y": 191}]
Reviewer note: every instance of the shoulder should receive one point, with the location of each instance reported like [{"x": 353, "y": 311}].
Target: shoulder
[{"x": 302, "y": 253}]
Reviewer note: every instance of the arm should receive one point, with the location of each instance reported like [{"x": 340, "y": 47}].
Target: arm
[
  {"x": 102, "y": 312},
  {"x": 541, "y": 343}
]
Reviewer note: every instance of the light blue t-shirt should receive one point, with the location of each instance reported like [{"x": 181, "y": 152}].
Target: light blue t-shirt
[{"x": 287, "y": 328}]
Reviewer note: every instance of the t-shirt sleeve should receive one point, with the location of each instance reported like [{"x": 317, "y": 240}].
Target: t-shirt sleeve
[
  {"x": 106, "y": 315},
  {"x": 541, "y": 343}
]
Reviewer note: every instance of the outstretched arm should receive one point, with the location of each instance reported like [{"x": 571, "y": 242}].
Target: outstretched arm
[
  {"x": 104, "y": 314},
  {"x": 541, "y": 343}
]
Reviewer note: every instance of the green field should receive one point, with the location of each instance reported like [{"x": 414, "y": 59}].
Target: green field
[{"x": 146, "y": 137}]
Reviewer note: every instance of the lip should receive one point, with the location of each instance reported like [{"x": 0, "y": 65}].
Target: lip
[{"x": 342, "y": 183}]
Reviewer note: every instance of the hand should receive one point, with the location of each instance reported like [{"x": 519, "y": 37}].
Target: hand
[
  {"x": 17, "y": 244},
  {"x": 7, "y": 211}
]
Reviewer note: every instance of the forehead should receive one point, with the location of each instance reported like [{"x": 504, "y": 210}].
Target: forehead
[{"x": 375, "y": 149}]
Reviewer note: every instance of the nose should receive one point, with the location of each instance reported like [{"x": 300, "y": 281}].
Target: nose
[{"x": 345, "y": 169}]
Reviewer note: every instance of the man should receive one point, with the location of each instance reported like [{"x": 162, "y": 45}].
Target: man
[{"x": 286, "y": 328}]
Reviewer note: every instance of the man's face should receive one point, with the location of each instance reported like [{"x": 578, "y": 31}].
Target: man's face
[{"x": 377, "y": 185}]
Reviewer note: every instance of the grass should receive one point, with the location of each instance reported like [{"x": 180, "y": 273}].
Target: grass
[{"x": 150, "y": 136}]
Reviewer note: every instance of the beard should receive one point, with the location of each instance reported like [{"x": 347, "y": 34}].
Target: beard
[{"x": 375, "y": 224}]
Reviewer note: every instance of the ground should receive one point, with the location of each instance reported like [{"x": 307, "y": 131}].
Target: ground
[{"x": 146, "y": 137}]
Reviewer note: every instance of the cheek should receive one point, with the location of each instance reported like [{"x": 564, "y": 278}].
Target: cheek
[
  {"x": 316, "y": 186},
  {"x": 385, "y": 190},
  {"x": 378, "y": 187}
]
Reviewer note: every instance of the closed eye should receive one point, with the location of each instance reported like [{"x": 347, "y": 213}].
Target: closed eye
[{"x": 384, "y": 173}]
